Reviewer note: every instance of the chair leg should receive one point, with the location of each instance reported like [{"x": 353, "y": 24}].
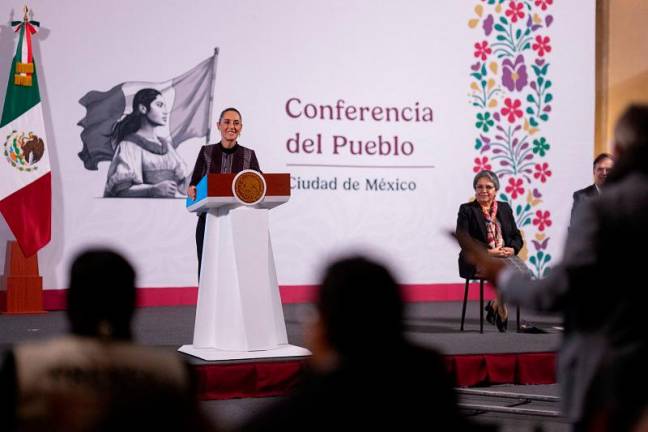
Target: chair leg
[
  {"x": 463, "y": 310},
  {"x": 518, "y": 318},
  {"x": 481, "y": 305}
]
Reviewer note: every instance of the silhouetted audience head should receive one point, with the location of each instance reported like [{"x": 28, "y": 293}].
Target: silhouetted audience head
[
  {"x": 631, "y": 143},
  {"x": 101, "y": 295},
  {"x": 360, "y": 306}
]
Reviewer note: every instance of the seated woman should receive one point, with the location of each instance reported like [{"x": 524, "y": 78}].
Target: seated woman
[
  {"x": 145, "y": 164},
  {"x": 491, "y": 223}
]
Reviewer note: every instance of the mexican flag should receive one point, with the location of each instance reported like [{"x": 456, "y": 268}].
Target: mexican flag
[{"x": 25, "y": 189}]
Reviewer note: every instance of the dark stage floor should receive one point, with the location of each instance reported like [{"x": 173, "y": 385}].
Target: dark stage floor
[{"x": 429, "y": 324}]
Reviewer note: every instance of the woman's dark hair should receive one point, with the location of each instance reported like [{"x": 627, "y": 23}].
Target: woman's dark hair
[
  {"x": 133, "y": 121},
  {"x": 631, "y": 139},
  {"x": 101, "y": 295},
  {"x": 228, "y": 110},
  {"x": 361, "y": 307},
  {"x": 488, "y": 175}
]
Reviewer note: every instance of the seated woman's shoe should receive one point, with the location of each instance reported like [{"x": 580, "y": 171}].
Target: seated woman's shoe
[
  {"x": 490, "y": 312},
  {"x": 501, "y": 323}
]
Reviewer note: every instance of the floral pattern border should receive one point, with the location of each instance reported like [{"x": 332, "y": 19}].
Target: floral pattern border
[{"x": 511, "y": 91}]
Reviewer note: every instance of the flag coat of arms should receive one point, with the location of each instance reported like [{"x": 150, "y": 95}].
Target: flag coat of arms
[{"x": 25, "y": 189}]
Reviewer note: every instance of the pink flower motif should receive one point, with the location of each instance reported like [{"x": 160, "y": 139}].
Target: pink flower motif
[
  {"x": 482, "y": 164},
  {"x": 541, "y": 45},
  {"x": 482, "y": 50},
  {"x": 515, "y": 187},
  {"x": 515, "y": 11},
  {"x": 542, "y": 219},
  {"x": 544, "y": 4},
  {"x": 512, "y": 109},
  {"x": 542, "y": 172}
]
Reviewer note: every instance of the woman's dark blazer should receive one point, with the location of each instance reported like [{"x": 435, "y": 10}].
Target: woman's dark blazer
[{"x": 471, "y": 220}]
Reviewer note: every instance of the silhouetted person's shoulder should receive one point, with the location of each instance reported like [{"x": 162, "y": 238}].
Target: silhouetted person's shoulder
[{"x": 409, "y": 386}]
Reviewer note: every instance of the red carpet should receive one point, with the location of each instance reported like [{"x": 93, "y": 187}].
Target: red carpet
[{"x": 276, "y": 378}]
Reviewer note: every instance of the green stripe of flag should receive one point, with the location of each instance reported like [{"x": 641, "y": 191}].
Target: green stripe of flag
[{"x": 19, "y": 99}]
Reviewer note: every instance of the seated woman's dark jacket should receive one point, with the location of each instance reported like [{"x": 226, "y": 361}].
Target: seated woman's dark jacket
[{"x": 471, "y": 220}]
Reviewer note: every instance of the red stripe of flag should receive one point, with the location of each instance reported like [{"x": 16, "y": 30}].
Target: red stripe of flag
[{"x": 28, "y": 212}]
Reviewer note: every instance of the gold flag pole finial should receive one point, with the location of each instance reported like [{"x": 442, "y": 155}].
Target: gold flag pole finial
[{"x": 26, "y": 16}]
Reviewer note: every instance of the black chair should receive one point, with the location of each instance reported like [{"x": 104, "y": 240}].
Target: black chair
[{"x": 481, "y": 306}]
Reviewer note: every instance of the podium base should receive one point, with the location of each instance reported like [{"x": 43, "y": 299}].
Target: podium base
[{"x": 214, "y": 354}]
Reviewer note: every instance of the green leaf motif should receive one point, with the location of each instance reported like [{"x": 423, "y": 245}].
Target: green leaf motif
[
  {"x": 499, "y": 27},
  {"x": 531, "y": 99},
  {"x": 533, "y": 122},
  {"x": 544, "y": 117},
  {"x": 549, "y": 96}
]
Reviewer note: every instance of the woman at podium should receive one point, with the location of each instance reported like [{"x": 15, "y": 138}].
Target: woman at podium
[{"x": 228, "y": 156}]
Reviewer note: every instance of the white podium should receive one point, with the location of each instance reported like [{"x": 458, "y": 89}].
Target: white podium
[{"x": 239, "y": 313}]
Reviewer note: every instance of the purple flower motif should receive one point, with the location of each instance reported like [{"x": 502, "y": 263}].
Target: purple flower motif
[
  {"x": 476, "y": 66},
  {"x": 514, "y": 74},
  {"x": 536, "y": 193},
  {"x": 539, "y": 61},
  {"x": 531, "y": 25},
  {"x": 548, "y": 20},
  {"x": 496, "y": 116},
  {"x": 488, "y": 24},
  {"x": 540, "y": 245}
]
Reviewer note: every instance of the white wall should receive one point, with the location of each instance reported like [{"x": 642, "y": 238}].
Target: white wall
[{"x": 368, "y": 53}]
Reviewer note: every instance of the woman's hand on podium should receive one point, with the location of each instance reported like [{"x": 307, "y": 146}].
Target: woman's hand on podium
[{"x": 191, "y": 192}]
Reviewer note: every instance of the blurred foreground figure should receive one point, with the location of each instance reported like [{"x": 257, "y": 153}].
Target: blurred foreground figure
[
  {"x": 364, "y": 373},
  {"x": 96, "y": 378},
  {"x": 600, "y": 288}
]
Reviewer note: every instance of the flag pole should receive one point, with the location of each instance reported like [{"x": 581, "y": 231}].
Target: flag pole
[
  {"x": 211, "y": 94},
  {"x": 22, "y": 285}
]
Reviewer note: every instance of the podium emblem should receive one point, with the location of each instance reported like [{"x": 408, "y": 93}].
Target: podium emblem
[{"x": 249, "y": 187}]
